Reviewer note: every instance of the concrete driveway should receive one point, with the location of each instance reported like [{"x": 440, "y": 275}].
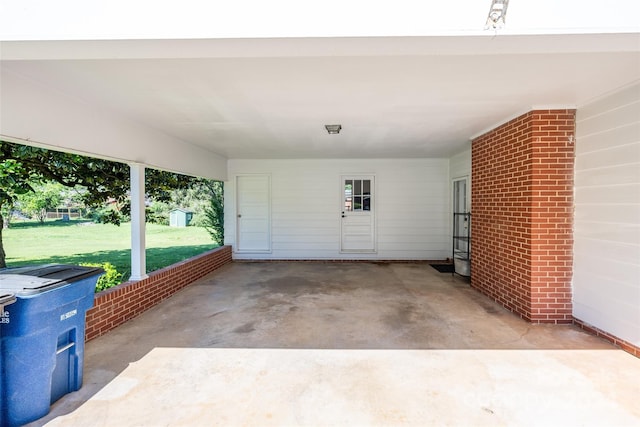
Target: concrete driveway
[{"x": 304, "y": 343}]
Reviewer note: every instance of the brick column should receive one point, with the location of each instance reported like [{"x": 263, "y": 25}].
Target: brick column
[{"x": 522, "y": 214}]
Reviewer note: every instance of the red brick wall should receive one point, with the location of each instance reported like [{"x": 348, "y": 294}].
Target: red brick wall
[
  {"x": 522, "y": 213},
  {"x": 115, "y": 306}
]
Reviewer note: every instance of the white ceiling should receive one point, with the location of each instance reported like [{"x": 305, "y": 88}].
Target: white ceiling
[{"x": 270, "y": 98}]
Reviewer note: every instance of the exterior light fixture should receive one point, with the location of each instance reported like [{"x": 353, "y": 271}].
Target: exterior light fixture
[
  {"x": 333, "y": 129},
  {"x": 497, "y": 14}
]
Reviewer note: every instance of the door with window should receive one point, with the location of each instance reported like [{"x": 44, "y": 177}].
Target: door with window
[
  {"x": 253, "y": 213},
  {"x": 357, "y": 214}
]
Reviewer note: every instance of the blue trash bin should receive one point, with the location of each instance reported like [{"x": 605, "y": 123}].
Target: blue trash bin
[
  {"x": 42, "y": 337},
  {"x": 5, "y": 300}
]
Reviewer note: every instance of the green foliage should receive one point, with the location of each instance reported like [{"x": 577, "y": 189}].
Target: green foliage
[
  {"x": 109, "y": 279},
  {"x": 106, "y": 215},
  {"x": 196, "y": 198},
  {"x": 158, "y": 213},
  {"x": 214, "y": 213},
  {"x": 44, "y": 196},
  {"x": 100, "y": 180},
  {"x": 97, "y": 180},
  {"x": 14, "y": 179}
]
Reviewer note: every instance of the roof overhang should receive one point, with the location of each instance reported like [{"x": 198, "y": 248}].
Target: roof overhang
[{"x": 188, "y": 105}]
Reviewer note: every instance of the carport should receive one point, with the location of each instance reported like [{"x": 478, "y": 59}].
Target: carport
[
  {"x": 506, "y": 114},
  {"x": 542, "y": 126}
]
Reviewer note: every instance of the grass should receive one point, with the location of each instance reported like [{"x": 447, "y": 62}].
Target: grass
[{"x": 78, "y": 241}]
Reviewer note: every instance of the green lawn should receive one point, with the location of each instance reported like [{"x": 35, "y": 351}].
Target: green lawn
[{"x": 80, "y": 241}]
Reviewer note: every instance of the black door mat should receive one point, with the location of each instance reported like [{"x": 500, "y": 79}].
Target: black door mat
[{"x": 443, "y": 268}]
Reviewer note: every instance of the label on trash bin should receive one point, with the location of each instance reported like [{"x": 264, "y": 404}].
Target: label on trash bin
[
  {"x": 4, "y": 317},
  {"x": 68, "y": 314}
]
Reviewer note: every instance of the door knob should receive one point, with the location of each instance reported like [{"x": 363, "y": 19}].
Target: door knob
[{"x": 239, "y": 216}]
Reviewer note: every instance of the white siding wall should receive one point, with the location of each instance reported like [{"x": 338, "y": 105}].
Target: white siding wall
[
  {"x": 411, "y": 207},
  {"x": 606, "y": 281}
]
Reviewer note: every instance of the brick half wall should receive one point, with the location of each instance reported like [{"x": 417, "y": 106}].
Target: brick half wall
[
  {"x": 522, "y": 218},
  {"x": 119, "y": 304}
]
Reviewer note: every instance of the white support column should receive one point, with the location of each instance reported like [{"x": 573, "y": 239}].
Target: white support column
[{"x": 138, "y": 255}]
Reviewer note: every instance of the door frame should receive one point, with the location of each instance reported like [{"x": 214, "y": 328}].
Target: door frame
[
  {"x": 236, "y": 246},
  {"x": 467, "y": 195},
  {"x": 467, "y": 202},
  {"x": 374, "y": 207}
]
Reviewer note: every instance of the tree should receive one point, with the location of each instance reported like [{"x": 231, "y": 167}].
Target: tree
[
  {"x": 23, "y": 167},
  {"x": 214, "y": 213},
  {"x": 14, "y": 180},
  {"x": 44, "y": 197}
]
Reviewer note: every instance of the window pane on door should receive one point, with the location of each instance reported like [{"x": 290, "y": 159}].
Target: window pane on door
[
  {"x": 357, "y": 203},
  {"x": 348, "y": 195},
  {"x": 366, "y": 187},
  {"x": 357, "y": 195},
  {"x": 357, "y": 187}
]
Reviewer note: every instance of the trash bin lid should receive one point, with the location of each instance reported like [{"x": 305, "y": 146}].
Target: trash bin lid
[
  {"x": 6, "y": 299},
  {"x": 35, "y": 279}
]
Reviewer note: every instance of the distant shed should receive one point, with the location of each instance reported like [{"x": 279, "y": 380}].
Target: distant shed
[{"x": 180, "y": 217}]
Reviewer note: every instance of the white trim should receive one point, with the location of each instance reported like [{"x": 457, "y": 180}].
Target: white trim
[
  {"x": 467, "y": 196},
  {"x": 138, "y": 233},
  {"x": 553, "y": 107}
]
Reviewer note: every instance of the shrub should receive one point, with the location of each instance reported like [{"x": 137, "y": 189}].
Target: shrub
[
  {"x": 108, "y": 215},
  {"x": 214, "y": 213},
  {"x": 157, "y": 213},
  {"x": 110, "y": 278}
]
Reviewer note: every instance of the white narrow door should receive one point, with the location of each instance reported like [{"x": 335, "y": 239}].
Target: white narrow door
[
  {"x": 460, "y": 195},
  {"x": 358, "y": 214},
  {"x": 460, "y": 205},
  {"x": 253, "y": 213}
]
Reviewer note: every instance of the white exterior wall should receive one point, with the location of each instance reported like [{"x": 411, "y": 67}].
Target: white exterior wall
[
  {"x": 411, "y": 207},
  {"x": 606, "y": 280}
]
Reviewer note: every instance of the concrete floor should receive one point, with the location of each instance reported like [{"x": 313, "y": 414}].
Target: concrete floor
[{"x": 346, "y": 344}]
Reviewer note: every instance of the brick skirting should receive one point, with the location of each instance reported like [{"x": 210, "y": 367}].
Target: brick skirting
[
  {"x": 115, "y": 306},
  {"x": 624, "y": 345}
]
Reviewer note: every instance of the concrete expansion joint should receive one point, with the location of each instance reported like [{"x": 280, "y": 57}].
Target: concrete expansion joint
[{"x": 525, "y": 333}]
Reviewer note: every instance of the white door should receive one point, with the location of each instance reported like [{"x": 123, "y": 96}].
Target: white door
[
  {"x": 358, "y": 214},
  {"x": 253, "y": 212}
]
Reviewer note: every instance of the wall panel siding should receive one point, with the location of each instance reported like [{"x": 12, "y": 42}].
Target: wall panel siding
[
  {"x": 411, "y": 204},
  {"x": 606, "y": 283}
]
